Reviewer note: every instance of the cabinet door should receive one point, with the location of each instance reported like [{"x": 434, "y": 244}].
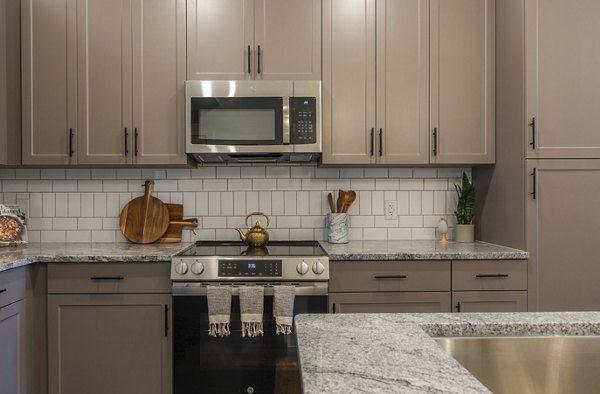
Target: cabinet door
[
  {"x": 10, "y": 82},
  {"x": 403, "y": 81},
  {"x": 288, "y": 36},
  {"x": 348, "y": 81},
  {"x": 49, "y": 72},
  {"x": 462, "y": 81},
  {"x": 220, "y": 39},
  {"x": 563, "y": 88},
  {"x": 489, "y": 301},
  {"x": 104, "y": 82},
  {"x": 12, "y": 328},
  {"x": 158, "y": 81},
  {"x": 118, "y": 344},
  {"x": 409, "y": 302},
  {"x": 562, "y": 226}
]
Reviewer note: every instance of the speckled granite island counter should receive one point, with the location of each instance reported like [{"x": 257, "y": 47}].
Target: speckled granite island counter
[
  {"x": 420, "y": 250},
  {"x": 12, "y": 257},
  {"x": 395, "y": 353}
]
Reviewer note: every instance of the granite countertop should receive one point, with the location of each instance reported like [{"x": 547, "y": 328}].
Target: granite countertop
[
  {"x": 12, "y": 257},
  {"x": 420, "y": 250},
  {"x": 394, "y": 353}
]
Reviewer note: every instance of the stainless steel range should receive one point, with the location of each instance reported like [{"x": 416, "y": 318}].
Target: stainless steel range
[{"x": 234, "y": 364}]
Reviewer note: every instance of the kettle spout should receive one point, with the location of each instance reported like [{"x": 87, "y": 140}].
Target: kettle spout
[{"x": 242, "y": 235}]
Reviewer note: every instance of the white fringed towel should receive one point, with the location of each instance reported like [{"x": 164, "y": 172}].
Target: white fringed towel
[
  {"x": 219, "y": 310},
  {"x": 283, "y": 308},
  {"x": 251, "y": 309}
]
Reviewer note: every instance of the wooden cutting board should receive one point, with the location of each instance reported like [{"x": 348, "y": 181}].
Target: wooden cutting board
[
  {"x": 144, "y": 219},
  {"x": 176, "y": 224}
]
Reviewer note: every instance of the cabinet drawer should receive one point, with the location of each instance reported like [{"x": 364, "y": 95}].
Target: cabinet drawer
[
  {"x": 374, "y": 276},
  {"x": 489, "y": 275},
  {"x": 12, "y": 286},
  {"x": 489, "y": 301},
  {"x": 404, "y": 302},
  {"x": 89, "y": 278}
]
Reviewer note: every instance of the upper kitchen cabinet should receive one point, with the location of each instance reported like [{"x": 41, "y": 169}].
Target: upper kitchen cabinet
[
  {"x": 562, "y": 84},
  {"x": 396, "y": 71},
  {"x": 10, "y": 85},
  {"x": 103, "y": 82},
  {"x": 254, "y": 39},
  {"x": 462, "y": 81}
]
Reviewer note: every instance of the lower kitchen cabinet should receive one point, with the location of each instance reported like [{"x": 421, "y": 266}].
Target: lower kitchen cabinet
[
  {"x": 109, "y": 343},
  {"x": 12, "y": 328},
  {"x": 402, "y": 302},
  {"x": 489, "y": 301}
]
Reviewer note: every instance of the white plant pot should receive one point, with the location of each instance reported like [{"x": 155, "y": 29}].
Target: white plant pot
[{"x": 465, "y": 233}]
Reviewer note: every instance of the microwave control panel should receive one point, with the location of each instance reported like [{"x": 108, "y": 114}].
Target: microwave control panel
[{"x": 303, "y": 120}]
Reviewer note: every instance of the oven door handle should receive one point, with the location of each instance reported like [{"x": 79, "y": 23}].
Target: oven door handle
[{"x": 199, "y": 289}]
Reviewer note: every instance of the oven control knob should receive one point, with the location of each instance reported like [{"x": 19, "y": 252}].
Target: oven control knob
[
  {"x": 181, "y": 268},
  {"x": 302, "y": 268},
  {"x": 197, "y": 268},
  {"x": 318, "y": 268}
]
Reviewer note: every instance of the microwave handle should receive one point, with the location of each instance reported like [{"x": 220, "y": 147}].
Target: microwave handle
[{"x": 287, "y": 120}]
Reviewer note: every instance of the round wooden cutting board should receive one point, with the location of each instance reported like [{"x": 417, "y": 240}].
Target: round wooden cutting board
[{"x": 144, "y": 219}]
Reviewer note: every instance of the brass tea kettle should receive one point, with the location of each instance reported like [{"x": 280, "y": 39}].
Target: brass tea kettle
[{"x": 257, "y": 236}]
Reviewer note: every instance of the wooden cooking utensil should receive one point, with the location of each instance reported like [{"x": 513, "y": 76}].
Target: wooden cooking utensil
[
  {"x": 348, "y": 199},
  {"x": 330, "y": 200},
  {"x": 176, "y": 224},
  {"x": 340, "y": 200},
  {"x": 144, "y": 219}
]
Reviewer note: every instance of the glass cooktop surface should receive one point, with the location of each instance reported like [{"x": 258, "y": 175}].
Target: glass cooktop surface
[{"x": 273, "y": 248}]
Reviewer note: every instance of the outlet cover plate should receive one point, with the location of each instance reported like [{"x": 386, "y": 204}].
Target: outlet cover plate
[{"x": 391, "y": 209}]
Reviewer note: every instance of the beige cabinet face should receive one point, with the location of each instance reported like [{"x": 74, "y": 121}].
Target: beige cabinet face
[
  {"x": 402, "y": 302},
  {"x": 402, "y": 82},
  {"x": 220, "y": 39},
  {"x": 104, "y": 82},
  {"x": 12, "y": 328},
  {"x": 462, "y": 81},
  {"x": 562, "y": 84},
  {"x": 348, "y": 81},
  {"x": 158, "y": 81},
  {"x": 49, "y": 72},
  {"x": 108, "y": 344},
  {"x": 562, "y": 223},
  {"x": 288, "y": 36},
  {"x": 489, "y": 301}
]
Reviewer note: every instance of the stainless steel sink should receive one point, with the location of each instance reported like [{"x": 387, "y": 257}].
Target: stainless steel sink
[{"x": 547, "y": 365}]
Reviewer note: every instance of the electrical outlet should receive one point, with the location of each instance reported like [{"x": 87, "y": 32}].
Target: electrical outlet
[{"x": 391, "y": 209}]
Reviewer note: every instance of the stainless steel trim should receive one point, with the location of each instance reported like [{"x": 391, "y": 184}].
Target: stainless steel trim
[{"x": 199, "y": 289}]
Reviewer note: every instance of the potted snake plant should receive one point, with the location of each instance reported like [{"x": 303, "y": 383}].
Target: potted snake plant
[{"x": 465, "y": 230}]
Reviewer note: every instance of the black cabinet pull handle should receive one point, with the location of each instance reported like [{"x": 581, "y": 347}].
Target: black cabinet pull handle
[
  {"x": 380, "y": 142},
  {"x": 166, "y": 320},
  {"x": 482, "y": 276},
  {"x": 126, "y": 145},
  {"x": 390, "y": 277},
  {"x": 372, "y": 141},
  {"x": 135, "y": 141},
  {"x": 458, "y": 306},
  {"x": 249, "y": 70},
  {"x": 106, "y": 278},
  {"x": 258, "y": 68},
  {"x": 2, "y": 290},
  {"x": 71, "y": 151},
  {"x": 333, "y": 308},
  {"x": 534, "y": 176},
  {"x": 435, "y": 141},
  {"x": 533, "y": 133}
]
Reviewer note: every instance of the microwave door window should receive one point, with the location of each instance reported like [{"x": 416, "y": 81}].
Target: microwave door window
[{"x": 237, "y": 121}]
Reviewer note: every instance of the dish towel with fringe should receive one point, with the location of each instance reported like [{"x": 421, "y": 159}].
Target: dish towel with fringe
[
  {"x": 283, "y": 308},
  {"x": 251, "y": 309},
  {"x": 219, "y": 310}
]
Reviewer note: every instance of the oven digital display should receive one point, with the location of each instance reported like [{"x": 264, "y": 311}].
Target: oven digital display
[{"x": 263, "y": 268}]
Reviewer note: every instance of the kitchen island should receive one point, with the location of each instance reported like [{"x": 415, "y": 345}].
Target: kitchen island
[{"x": 395, "y": 353}]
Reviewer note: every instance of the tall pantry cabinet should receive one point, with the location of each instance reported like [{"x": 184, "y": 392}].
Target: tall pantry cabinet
[
  {"x": 408, "y": 81},
  {"x": 542, "y": 194},
  {"x": 103, "y": 81}
]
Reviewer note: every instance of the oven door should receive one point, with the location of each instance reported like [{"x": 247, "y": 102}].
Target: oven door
[{"x": 265, "y": 364}]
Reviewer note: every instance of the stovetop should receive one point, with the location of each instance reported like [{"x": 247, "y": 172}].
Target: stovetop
[{"x": 237, "y": 248}]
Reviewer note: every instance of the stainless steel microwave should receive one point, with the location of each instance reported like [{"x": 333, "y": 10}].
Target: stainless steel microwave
[{"x": 253, "y": 121}]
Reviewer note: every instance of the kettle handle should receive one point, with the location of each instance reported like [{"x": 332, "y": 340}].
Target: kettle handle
[{"x": 248, "y": 216}]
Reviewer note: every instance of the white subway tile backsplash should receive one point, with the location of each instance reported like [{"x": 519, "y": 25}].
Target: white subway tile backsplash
[{"x": 79, "y": 205}]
